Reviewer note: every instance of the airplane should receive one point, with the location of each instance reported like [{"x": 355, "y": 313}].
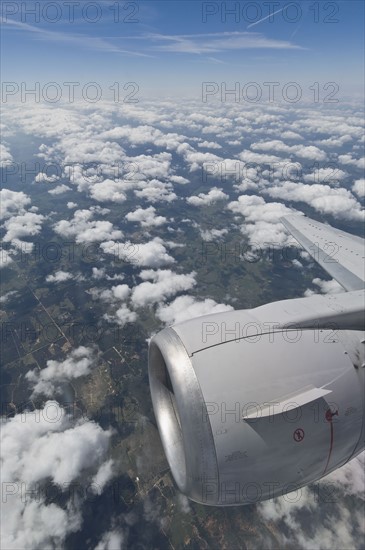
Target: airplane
[{"x": 257, "y": 403}]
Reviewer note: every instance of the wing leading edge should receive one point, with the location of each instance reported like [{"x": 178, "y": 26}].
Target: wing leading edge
[{"x": 341, "y": 254}]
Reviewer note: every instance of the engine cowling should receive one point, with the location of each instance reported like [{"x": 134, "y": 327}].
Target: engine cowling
[{"x": 248, "y": 410}]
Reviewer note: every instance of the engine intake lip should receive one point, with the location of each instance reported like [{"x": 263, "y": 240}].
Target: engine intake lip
[{"x": 182, "y": 418}]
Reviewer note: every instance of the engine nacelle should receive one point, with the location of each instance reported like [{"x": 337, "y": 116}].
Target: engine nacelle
[{"x": 248, "y": 410}]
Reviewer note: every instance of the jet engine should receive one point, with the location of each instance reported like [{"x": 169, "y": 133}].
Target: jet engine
[{"x": 257, "y": 403}]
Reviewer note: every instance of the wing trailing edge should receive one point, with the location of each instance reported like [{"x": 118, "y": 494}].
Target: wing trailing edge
[{"x": 341, "y": 254}]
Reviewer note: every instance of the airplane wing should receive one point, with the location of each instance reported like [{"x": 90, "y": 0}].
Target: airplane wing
[{"x": 341, "y": 254}]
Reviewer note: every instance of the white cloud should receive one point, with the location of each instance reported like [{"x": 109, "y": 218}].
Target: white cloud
[
  {"x": 108, "y": 191},
  {"x": 28, "y": 224},
  {"x": 217, "y": 42},
  {"x": 5, "y": 259},
  {"x": 78, "y": 363},
  {"x": 214, "y": 195},
  {"x": 100, "y": 273},
  {"x": 262, "y": 220},
  {"x": 123, "y": 315},
  {"x": 150, "y": 254},
  {"x": 259, "y": 158},
  {"x": 325, "y": 287},
  {"x": 84, "y": 229},
  {"x": 103, "y": 476},
  {"x": 156, "y": 191},
  {"x": 209, "y": 235},
  {"x": 359, "y": 187},
  {"x": 179, "y": 179},
  {"x": 59, "y": 277},
  {"x": 59, "y": 189},
  {"x": 12, "y": 202},
  {"x": 42, "y": 177},
  {"x": 165, "y": 283},
  {"x": 196, "y": 159},
  {"x": 38, "y": 448},
  {"x": 209, "y": 145},
  {"x": 335, "y": 141},
  {"x": 188, "y": 307},
  {"x": 113, "y": 295},
  {"x": 349, "y": 160},
  {"x": 329, "y": 175},
  {"x": 5, "y": 297},
  {"x": 328, "y": 200},
  {"x": 71, "y": 205},
  {"x": 6, "y": 158},
  {"x": 113, "y": 540},
  {"x": 289, "y": 134},
  {"x": 145, "y": 134},
  {"x": 146, "y": 217},
  {"x": 310, "y": 152},
  {"x": 149, "y": 166}
]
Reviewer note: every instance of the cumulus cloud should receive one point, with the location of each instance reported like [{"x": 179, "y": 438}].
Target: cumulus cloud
[
  {"x": 5, "y": 259},
  {"x": 188, "y": 307},
  {"x": 103, "y": 476},
  {"x": 100, "y": 273},
  {"x": 335, "y": 141},
  {"x": 150, "y": 254},
  {"x": 179, "y": 179},
  {"x": 86, "y": 230},
  {"x": 146, "y": 217},
  {"x": 214, "y": 195},
  {"x": 209, "y": 235},
  {"x": 116, "y": 296},
  {"x": 113, "y": 540},
  {"x": 145, "y": 134},
  {"x": 6, "y": 158},
  {"x": 349, "y": 160},
  {"x": 122, "y": 316},
  {"x": 196, "y": 159},
  {"x": 259, "y": 158},
  {"x": 78, "y": 363},
  {"x": 150, "y": 166},
  {"x": 325, "y": 287},
  {"x": 39, "y": 448},
  {"x": 59, "y": 277},
  {"x": 43, "y": 177},
  {"x": 165, "y": 283},
  {"x": 262, "y": 220},
  {"x": 156, "y": 191},
  {"x": 17, "y": 227},
  {"x": 328, "y": 200},
  {"x": 7, "y": 296},
  {"x": 108, "y": 191},
  {"x": 328, "y": 175},
  {"x": 359, "y": 187},
  {"x": 112, "y": 295},
  {"x": 310, "y": 152},
  {"x": 59, "y": 189},
  {"x": 209, "y": 145},
  {"x": 12, "y": 202}
]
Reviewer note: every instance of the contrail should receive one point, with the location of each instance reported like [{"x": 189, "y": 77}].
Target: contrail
[{"x": 264, "y": 18}]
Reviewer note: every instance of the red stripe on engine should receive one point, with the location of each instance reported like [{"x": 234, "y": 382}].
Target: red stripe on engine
[{"x": 329, "y": 416}]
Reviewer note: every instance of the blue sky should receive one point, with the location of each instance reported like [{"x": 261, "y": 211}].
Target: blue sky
[{"x": 170, "y": 47}]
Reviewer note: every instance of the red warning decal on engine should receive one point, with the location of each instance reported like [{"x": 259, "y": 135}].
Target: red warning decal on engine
[{"x": 298, "y": 435}]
